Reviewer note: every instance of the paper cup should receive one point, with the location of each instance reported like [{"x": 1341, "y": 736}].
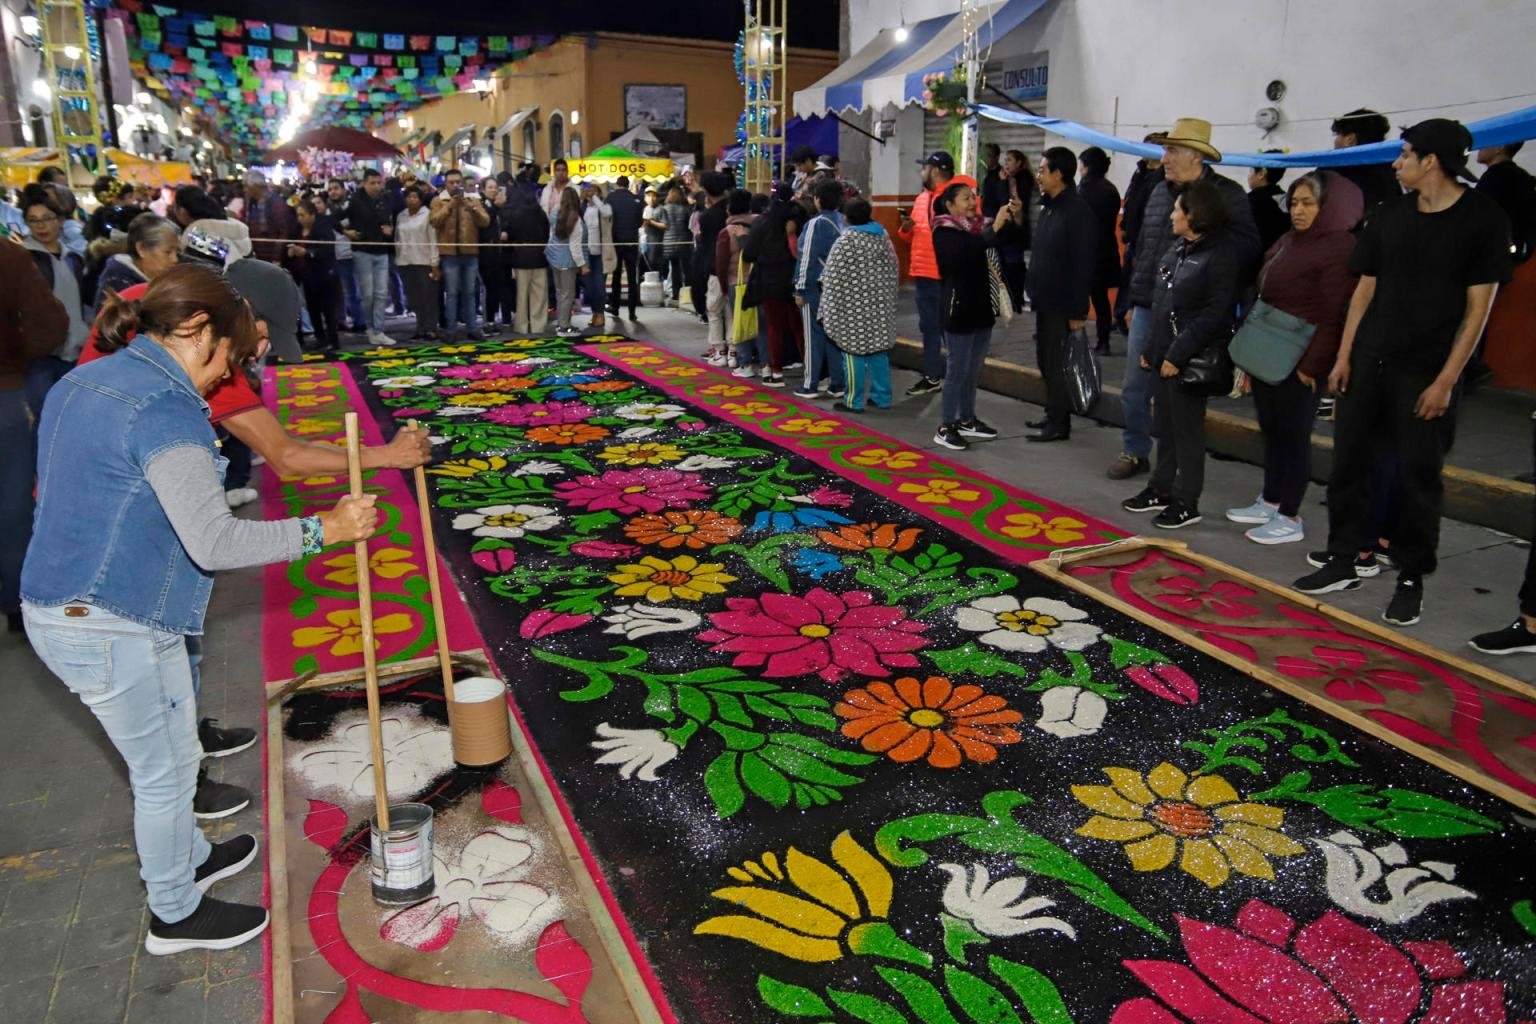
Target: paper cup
[{"x": 482, "y": 727}]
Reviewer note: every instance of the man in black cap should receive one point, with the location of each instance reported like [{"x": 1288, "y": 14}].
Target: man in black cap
[
  {"x": 1430, "y": 263},
  {"x": 917, "y": 228}
]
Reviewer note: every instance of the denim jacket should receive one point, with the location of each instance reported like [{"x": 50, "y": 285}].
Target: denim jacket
[{"x": 100, "y": 536}]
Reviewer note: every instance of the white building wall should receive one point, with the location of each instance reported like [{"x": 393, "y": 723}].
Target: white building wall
[{"x": 1162, "y": 59}]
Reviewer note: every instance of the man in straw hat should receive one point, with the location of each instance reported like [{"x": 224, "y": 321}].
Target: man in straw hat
[
  {"x": 1186, "y": 150},
  {"x": 1430, "y": 263}
]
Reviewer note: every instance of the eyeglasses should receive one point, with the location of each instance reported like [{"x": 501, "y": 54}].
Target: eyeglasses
[{"x": 40, "y": 221}]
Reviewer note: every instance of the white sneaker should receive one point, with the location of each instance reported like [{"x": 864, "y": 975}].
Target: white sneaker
[
  {"x": 237, "y": 496},
  {"x": 716, "y": 360},
  {"x": 1279, "y": 530},
  {"x": 744, "y": 372},
  {"x": 380, "y": 338},
  {"x": 730, "y": 361},
  {"x": 258, "y": 460},
  {"x": 1257, "y": 514}
]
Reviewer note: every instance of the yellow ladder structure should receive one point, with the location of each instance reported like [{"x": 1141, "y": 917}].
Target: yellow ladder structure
[
  {"x": 71, "y": 75},
  {"x": 763, "y": 61}
]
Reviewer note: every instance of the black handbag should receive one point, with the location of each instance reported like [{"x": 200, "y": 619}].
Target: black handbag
[
  {"x": 1084, "y": 382},
  {"x": 1208, "y": 372}
]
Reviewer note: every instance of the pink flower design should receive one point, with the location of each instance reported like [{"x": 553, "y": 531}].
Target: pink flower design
[
  {"x": 1342, "y": 667},
  {"x": 1331, "y": 970},
  {"x": 1166, "y": 681},
  {"x": 538, "y": 414},
  {"x": 829, "y": 634},
  {"x": 1187, "y": 594},
  {"x": 830, "y": 498},
  {"x": 486, "y": 371},
  {"x": 634, "y": 490},
  {"x": 545, "y": 622},
  {"x": 605, "y": 549},
  {"x": 692, "y": 426},
  {"x": 495, "y": 560}
]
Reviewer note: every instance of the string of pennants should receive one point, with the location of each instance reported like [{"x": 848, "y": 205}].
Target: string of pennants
[{"x": 238, "y": 73}]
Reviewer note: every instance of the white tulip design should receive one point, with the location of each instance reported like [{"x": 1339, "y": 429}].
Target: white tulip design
[
  {"x": 539, "y": 467},
  {"x": 694, "y": 463},
  {"x": 649, "y": 411},
  {"x": 637, "y": 752},
  {"x": 507, "y": 521},
  {"x": 640, "y": 620},
  {"x": 1067, "y": 712},
  {"x": 998, "y": 908},
  {"x": 1411, "y": 889},
  {"x": 1030, "y": 627}
]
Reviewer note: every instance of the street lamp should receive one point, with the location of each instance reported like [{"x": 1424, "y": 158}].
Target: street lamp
[{"x": 72, "y": 52}]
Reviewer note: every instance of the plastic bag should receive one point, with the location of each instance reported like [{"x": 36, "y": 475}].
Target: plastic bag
[{"x": 1084, "y": 381}]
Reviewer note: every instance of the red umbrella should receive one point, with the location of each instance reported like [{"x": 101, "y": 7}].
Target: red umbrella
[{"x": 335, "y": 137}]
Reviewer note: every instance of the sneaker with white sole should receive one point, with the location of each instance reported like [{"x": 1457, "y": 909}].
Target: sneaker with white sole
[
  {"x": 1512, "y": 639},
  {"x": 380, "y": 338},
  {"x": 1176, "y": 516},
  {"x": 225, "y": 860},
  {"x": 950, "y": 437},
  {"x": 1407, "y": 601},
  {"x": 1257, "y": 514},
  {"x": 1366, "y": 565},
  {"x": 217, "y": 799},
  {"x": 807, "y": 393},
  {"x": 744, "y": 372},
  {"x": 213, "y": 925},
  {"x": 218, "y": 742},
  {"x": 774, "y": 380},
  {"x": 1335, "y": 574},
  {"x": 1146, "y": 500},
  {"x": 1279, "y": 530},
  {"x": 977, "y": 430}
]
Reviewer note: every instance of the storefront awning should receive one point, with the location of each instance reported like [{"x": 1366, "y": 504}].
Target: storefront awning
[
  {"x": 511, "y": 123},
  {"x": 888, "y": 70},
  {"x": 451, "y": 143}
]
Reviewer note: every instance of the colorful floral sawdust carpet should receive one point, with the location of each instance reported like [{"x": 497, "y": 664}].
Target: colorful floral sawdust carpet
[{"x": 837, "y": 756}]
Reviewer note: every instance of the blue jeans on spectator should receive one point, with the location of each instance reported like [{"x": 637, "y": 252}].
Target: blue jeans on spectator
[
  {"x": 928, "y": 323},
  {"x": 18, "y": 468},
  {"x": 350, "y": 295},
  {"x": 868, "y": 372},
  {"x": 1136, "y": 392},
  {"x": 822, "y": 358},
  {"x": 967, "y": 354},
  {"x": 137, "y": 681},
  {"x": 372, "y": 286},
  {"x": 461, "y": 285},
  {"x": 595, "y": 285}
]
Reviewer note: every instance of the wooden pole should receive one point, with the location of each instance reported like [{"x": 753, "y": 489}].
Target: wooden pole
[
  {"x": 429, "y": 551},
  {"x": 365, "y": 617}
]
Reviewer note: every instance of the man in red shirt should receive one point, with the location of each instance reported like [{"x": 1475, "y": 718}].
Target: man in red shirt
[{"x": 917, "y": 228}]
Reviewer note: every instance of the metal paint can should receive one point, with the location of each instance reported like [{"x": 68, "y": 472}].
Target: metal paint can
[{"x": 401, "y": 856}]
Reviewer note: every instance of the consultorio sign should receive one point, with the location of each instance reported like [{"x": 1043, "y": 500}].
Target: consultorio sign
[
  {"x": 1025, "y": 78},
  {"x": 607, "y": 169}
]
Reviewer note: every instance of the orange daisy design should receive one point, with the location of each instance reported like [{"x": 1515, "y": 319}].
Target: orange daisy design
[
  {"x": 567, "y": 433},
  {"x": 501, "y": 384},
  {"x": 909, "y": 720},
  {"x": 605, "y": 385},
  {"x": 864, "y": 536},
  {"x": 691, "y": 528}
]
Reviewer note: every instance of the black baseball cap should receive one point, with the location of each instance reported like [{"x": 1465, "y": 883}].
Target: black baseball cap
[
  {"x": 940, "y": 159},
  {"x": 1447, "y": 140}
]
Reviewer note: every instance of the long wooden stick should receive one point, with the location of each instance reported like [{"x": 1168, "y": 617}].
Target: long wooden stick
[
  {"x": 429, "y": 552},
  {"x": 365, "y": 616}
]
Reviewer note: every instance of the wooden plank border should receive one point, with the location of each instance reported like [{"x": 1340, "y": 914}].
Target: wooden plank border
[{"x": 281, "y": 962}]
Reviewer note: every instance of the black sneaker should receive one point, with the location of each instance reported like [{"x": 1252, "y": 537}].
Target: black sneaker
[
  {"x": 1146, "y": 500},
  {"x": 225, "y": 860},
  {"x": 1176, "y": 516},
  {"x": 1512, "y": 639},
  {"x": 1407, "y": 601},
  {"x": 924, "y": 386},
  {"x": 950, "y": 437},
  {"x": 1384, "y": 557},
  {"x": 213, "y": 925},
  {"x": 1366, "y": 565},
  {"x": 977, "y": 429},
  {"x": 223, "y": 742},
  {"x": 773, "y": 381},
  {"x": 217, "y": 800},
  {"x": 1335, "y": 574}
]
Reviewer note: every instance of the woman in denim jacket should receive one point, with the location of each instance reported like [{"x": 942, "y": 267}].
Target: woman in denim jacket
[{"x": 125, "y": 445}]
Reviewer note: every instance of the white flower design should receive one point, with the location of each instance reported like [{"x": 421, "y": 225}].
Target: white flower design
[
  {"x": 460, "y": 410},
  {"x": 634, "y": 433},
  {"x": 998, "y": 908},
  {"x": 539, "y": 467},
  {"x": 649, "y": 411},
  {"x": 415, "y": 750},
  {"x": 1071, "y": 711},
  {"x": 1411, "y": 889},
  {"x": 432, "y": 363},
  {"x": 533, "y": 361},
  {"x": 1031, "y": 627},
  {"x": 637, "y": 752},
  {"x": 403, "y": 382},
  {"x": 484, "y": 881},
  {"x": 638, "y": 620},
  {"x": 694, "y": 463},
  {"x": 507, "y": 521}
]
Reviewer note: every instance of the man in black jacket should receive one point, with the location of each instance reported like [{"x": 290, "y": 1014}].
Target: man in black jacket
[
  {"x": 1059, "y": 280},
  {"x": 703, "y": 281},
  {"x": 1514, "y": 189},
  {"x": 1185, "y": 151},
  {"x": 628, "y": 211}
]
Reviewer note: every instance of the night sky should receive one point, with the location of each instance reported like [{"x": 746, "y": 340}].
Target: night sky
[{"x": 811, "y": 22}]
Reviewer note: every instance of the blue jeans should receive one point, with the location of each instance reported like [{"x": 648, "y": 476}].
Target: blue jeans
[
  {"x": 872, "y": 372},
  {"x": 928, "y": 323},
  {"x": 373, "y": 286},
  {"x": 461, "y": 282},
  {"x": 350, "y": 295},
  {"x": 822, "y": 358},
  {"x": 1136, "y": 392},
  {"x": 137, "y": 681},
  {"x": 967, "y": 354},
  {"x": 18, "y": 469}
]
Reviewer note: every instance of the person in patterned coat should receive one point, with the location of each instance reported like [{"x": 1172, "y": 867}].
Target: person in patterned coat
[{"x": 858, "y": 307}]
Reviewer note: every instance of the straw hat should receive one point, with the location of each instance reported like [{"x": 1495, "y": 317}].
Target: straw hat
[{"x": 1190, "y": 132}]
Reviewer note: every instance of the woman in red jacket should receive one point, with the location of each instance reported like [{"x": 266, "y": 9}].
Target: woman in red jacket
[{"x": 1306, "y": 273}]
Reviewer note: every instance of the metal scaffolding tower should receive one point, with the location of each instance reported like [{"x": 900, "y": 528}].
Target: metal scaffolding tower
[
  {"x": 71, "y": 76},
  {"x": 763, "y": 61}
]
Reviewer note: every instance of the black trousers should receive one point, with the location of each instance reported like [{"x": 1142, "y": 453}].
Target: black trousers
[
  {"x": 1051, "y": 335},
  {"x": 629, "y": 264},
  {"x": 1286, "y": 411},
  {"x": 677, "y": 271},
  {"x": 1376, "y": 414},
  {"x": 322, "y": 294},
  {"x": 1178, "y": 423},
  {"x": 1528, "y": 587},
  {"x": 1103, "y": 312},
  {"x": 500, "y": 292}
]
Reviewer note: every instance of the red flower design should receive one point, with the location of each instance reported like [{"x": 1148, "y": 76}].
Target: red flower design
[
  {"x": 635, "y": 490},
  {"x": 1188, "y": 594},
  {"x": 1342, "y": 667},
  {"x": 1331, "y": 970},
  {"x": 825, "y": 633}
]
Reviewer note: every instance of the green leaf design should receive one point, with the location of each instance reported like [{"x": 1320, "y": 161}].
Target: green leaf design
[
  {"x": 980, "y": 1000},
  {"x": 599, "y": 676},
  {"x": 1037, "y": 994},
  {"x": 959, "y": 933},
  {"x": 1402, "y": 812},
  {"x": 303, "y": 607},
  {"x": 693, "y": 703},
  {"x": 1123, "y": 654},
  {"x": 1525, "y": 913},
  {"x": 976, "y": 660},
  {"x": 927, "y": 1002},
  {"x": 791, "y": 1000},
  {"x": 765, "y": 781},
  {"x": 724, "y": 789},
  {"x": 866, "y": 1008},
  {"x": 1311, "y": 746}
]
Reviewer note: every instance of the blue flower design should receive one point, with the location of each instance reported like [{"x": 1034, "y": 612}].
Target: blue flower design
[
  {"x": 573, "y": 378},
  {"x": 815, "y": 563},
  {"x": 800, "y": 518}
]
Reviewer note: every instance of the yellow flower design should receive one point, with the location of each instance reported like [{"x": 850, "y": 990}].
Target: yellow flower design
[
  {"x": 679, "y": 371},
  {"x": 1201, "y": 821},
  {"x": 300, "y": 372},
  {"x": 646, "y": 361},
  {"x": 498, "y": 357},
  {"x": 600, "y": 338},
  {"x": 661, "y": 579},
  {"x": 463, "y": 469},
  {"x": 641, "y": 453},
  {"x": 309, "y": 481},
  {"x": 315, "y": 357},
  {"x": 311, "y": 425},
  {"x": 809, "y": 426},
  {"x": 455, "y": 349},
  {"x": 805, "y": 908},
  {"x": 345, "y": 632},
  {"x": 630, "y": 349},
  {"x": 750, "y": 408},
  {"x": 481, "y": 399},
  {"x": 886, "y": 458},
  {"x": 388, "y": 563},
  {"x": 940, "y": 492},
  {"x": 316, "y": 385},
  {"x": 725, "y": 390},
  {"x": 307, "y": 401},
  {"x": 385, "y": 364},
  {"x": 1060, "y": 530}
]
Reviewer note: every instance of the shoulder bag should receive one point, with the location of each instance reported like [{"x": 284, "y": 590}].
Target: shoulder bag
[
  {"x": 1209, "y": 371},
  {"x": 1271, "y": 342},
  {"x": 743, "y": 316}
]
